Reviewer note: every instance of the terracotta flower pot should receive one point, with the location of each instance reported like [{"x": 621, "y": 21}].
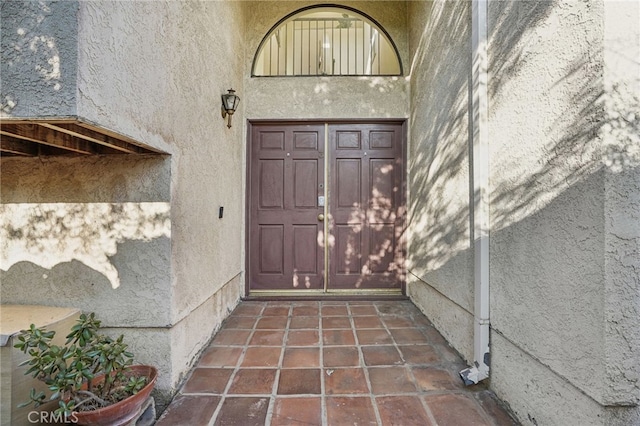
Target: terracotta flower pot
[{"x": 124, "y": 411}]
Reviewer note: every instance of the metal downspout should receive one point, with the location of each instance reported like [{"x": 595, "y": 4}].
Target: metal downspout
[{"x": 480, "y": 176}]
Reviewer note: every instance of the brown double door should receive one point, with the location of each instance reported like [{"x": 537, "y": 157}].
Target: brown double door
[{"x": 326, "y": 207}]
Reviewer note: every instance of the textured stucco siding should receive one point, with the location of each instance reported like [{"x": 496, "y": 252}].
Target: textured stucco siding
[
  {"x": 555, "y": 305},
  {"x": 621, "y": 159},
  {"x": 138, "y": 240},
  {"x": 175, "y": 350},
  {"x": 93, "y": 234},
  {"x": 539, "y": 398},
  {"x": 39, "y": 58},
  {"x": 547, "y": 197},
  {"x": 564, "y": 185},
  {"x": 88, "y": 233},
  {"x": 159, "y": 80},
  {"x": 440, "y": 252},
  {"x": 325, "y": 97}
]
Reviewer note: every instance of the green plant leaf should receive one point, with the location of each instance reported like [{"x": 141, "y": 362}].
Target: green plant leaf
[{"x": 64, "y": 368}]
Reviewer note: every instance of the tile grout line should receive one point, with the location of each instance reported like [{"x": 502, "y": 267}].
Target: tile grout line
[
  {"x": 323, "y": 397},
  {"x": 419, "y": 393},
  {"x": 276, "y": 381},
  {"x": 365, "y": 369},
  {"x": 405, "y": 364},
  {"x": 422, "y": 395},
  {"x": 223, "y": 395},
  {"x": 395, "y": 320}
]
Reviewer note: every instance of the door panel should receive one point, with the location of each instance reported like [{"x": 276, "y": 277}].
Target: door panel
[
  {"x": 365, "y": 207},
  {"x": 305, "y": 182},
  {"x": 287, "y": 175},
  {"x": 348, "y": 183},
  {"x": 271, "y": 249},
  {"x": 271, "y": 184},
  {"x": 348, "y": 241},
  {"x": 305, "y": 249}
]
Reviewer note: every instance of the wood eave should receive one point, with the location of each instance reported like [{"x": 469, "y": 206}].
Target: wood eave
[{"x": 64, "y": 136}]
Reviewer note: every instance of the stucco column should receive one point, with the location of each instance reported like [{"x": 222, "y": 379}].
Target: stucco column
[{"x": 621, "y": 157}]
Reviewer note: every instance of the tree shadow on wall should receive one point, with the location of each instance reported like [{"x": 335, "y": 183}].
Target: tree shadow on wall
[
  {"x": 51, "y": 233},
  {"x": 143, "y": 271},
  {"x": 438, "y": 160},
  {"x": 595, "y": 129}
]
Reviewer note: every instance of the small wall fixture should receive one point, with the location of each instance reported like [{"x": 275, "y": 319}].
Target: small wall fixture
[{"x": 229, "y": 104}]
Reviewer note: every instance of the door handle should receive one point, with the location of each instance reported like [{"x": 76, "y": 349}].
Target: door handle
[{"x": 320, "y": 217}]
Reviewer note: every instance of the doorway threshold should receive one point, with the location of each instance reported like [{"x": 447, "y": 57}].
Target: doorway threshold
[{"x": 294, "y": 295}]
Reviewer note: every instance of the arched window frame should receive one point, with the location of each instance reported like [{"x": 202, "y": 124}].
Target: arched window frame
[{"x": 372, "y": 21}]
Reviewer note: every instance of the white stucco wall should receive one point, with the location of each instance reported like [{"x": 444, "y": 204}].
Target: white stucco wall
[
  {"x": 547, "y": 230},
  {"x": 620, "y": 133},
  {"x": 91, "y": 233},
  {"x": 440, "y": 250},
  {"x": 160, "y": 80},
  {"x": 94, "y": 234},
  {"x": 562, "y": 291},
  {"x": 154, "y": 274},
  {"x": 39, "y": 58},
  {"x": 564, "y": 181}
]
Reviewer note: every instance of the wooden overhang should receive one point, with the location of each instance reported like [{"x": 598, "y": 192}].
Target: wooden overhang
[{"x": 45, "y": 137}]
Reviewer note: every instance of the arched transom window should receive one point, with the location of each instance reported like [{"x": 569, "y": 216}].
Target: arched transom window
[{"x": 326, "y": 41}]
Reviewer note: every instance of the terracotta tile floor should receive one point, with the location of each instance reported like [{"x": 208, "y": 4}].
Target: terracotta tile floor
[{"x": 330, "y": 363}]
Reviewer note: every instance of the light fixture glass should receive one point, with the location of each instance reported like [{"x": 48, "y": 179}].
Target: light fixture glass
[{"x": 229, "y": 104}]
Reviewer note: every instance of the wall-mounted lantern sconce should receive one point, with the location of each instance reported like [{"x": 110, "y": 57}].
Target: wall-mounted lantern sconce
[{"x": 229, "y": 105}]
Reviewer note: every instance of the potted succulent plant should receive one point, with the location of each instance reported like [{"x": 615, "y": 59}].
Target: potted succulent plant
[{"x": 91, "y": 375}]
